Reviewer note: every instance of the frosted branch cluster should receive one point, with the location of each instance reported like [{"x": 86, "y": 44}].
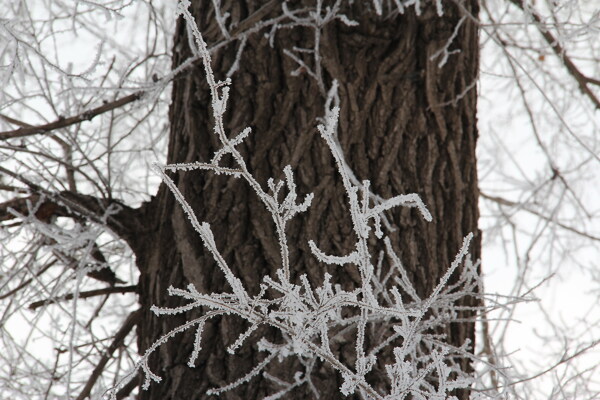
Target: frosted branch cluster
[{"x": 312, "y": 317}]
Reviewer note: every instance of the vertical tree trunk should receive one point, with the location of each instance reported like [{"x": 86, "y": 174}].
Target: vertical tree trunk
[{"x": 406, "y": 124}]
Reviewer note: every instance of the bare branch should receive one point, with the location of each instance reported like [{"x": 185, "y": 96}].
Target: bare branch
[
  {"x": 118, "y": 340},
  {"x": 123, "y": 220},
  {"x": 581, "y": 79},
  {"x": 128, "y": 388},
  {"x": 85, "y": 295},
  {"x": 28, "y": 281},
  {"x": 64, "y": 122}
]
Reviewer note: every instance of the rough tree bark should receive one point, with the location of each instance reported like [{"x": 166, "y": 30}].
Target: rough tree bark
[{"x": 405, "y": 123}]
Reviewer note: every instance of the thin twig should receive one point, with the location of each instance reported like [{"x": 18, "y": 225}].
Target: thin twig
[{"x": 509, "y": 203}]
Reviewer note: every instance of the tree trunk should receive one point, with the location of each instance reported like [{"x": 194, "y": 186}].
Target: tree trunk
[{"x": 406, "y": 124}]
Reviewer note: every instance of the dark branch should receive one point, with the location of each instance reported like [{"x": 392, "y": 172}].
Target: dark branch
[
  {"x": 123, "y": 220},
  {"x": 64, "y": 122},
  {"x": 46, "y": 210},
  {"x": 581, "y": 79},
  {"x": 28, "y": 281},
  {"x": 128, "y": 388},
  {"x": 21, "y": 205},
  {"x": 15, "y": 189},
  {"x": 255, "y": 17},
  {"x": 117, "y": 342},
  {"x": 85, "y": 295}
]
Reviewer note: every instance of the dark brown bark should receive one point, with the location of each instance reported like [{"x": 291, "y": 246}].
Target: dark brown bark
[{"x": 405, "y": 124}]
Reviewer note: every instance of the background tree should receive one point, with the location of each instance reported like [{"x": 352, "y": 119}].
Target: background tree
[{"x": 79, "y": 201}]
